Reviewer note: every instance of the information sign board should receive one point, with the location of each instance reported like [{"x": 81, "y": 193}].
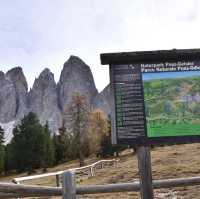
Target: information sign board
[{"x": 155, "y": 101}]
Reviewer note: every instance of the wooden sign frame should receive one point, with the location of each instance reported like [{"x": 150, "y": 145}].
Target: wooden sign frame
[{"x": 147, "y": 57}]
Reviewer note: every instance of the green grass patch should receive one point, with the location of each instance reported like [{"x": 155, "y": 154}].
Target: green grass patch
[{"x": 173, "y": 130}]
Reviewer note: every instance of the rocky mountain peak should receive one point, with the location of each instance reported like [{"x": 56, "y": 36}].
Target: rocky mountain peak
[
  {"x": 16, "y": 75},
  {"x": 45, "y": 80},
  {"x": 46, "y": 73},
  {"x": 43, "y": 100},
  {"x": 17, "y": 69},
  {"x": 46, "y": 98},
  {"x": 75, "y": 60},
  {"x": 75, "y": 65},
  {"x": 2, "y": 78},
  {"x": 8, "y": 104},
  {"x": 1, "y": 74},
  {"x": 76, "y": 76}
]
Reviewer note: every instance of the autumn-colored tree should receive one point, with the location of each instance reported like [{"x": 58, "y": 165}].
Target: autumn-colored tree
[
  {"x": 98, "y": 129},
  {"x": 78, "y": 119}
]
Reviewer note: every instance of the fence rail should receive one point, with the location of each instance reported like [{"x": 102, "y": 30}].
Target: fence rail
[
  {"x": 90, "y": 168},
  {"x": 8, "y": 190}
]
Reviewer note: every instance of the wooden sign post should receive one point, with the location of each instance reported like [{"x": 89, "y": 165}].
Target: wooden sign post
[{"x": 144, "y": 165}]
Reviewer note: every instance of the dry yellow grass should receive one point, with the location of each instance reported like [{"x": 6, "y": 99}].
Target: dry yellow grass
[{"x": 167, "y": 162}]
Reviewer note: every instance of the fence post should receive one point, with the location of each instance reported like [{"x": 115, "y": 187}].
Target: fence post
[
  {"x": 115, "y": 163},
  {"x": 101, "y": 165},
  {"x": 144, "y": 164},
  {"x": 57, "y": 180},
  {"x": 69, "y": 185},
  {"x": 91, "y": 171},
  {"x": 16, "y": 182}
]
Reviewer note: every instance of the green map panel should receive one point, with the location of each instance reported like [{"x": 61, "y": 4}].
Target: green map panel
[{"x": 172, "y": 106}]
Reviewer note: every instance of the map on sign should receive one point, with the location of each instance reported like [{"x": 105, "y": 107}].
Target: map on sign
[
  {"x": 156, "y": 100},
  {"x": 172, "y": 101}
]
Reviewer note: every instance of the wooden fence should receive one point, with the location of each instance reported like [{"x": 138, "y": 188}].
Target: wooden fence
[
  {"x": 90, "y": 168},
  {"x": 69, "y": 190}
]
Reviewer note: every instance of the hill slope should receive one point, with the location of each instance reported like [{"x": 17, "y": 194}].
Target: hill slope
[{"x": 167, "y": 162}]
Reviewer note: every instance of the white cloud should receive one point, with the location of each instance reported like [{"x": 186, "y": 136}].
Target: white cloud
[{"x": 37, "y": 34}]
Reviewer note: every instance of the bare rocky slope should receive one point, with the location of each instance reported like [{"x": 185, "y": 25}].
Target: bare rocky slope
[{"x": 47, "y": 98}]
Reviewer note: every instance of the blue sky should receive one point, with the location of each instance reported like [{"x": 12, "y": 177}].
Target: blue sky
[
  {"x": 164, "y": 75},
  {"x": 35, "y": 34}
]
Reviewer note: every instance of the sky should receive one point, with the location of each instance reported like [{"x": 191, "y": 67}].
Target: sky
[{"x": 36, "y": 34}]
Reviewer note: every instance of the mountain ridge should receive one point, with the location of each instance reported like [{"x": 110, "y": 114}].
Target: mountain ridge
[{"x": 47, "y": 98}]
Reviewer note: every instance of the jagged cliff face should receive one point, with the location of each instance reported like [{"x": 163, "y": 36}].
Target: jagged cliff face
[
  {"x": 43, "y": 99},
  {"x": 46, "y": 98},
  {"x": 16, "y": 76},
  {"x": 103, "y": 100},
  {"x": 76, "y": 76},
  {"x": 8, "y": 104},
  {"x": 13, "y": 92}
]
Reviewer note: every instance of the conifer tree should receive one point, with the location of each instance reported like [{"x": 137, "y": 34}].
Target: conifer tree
[
  {"x": 9, "y": 158},
  {"x": 1, "y": 136},
  {"x": 62, "y": 143},
  {"x": 2, "y": 150},
  {"x": 49, "y": 148},
  {"x": 28, "y": 144}
]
